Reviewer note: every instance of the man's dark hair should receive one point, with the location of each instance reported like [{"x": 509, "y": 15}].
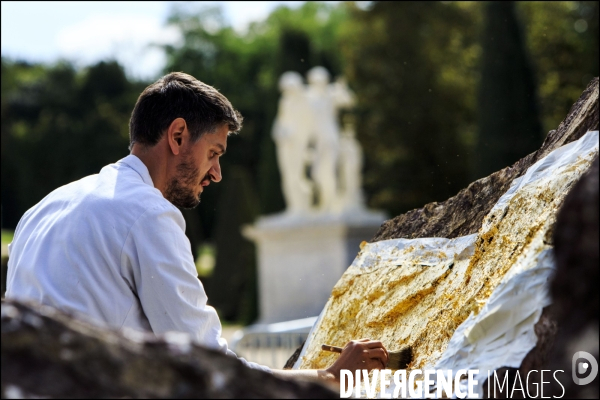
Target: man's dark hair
[{"x": 179, "y": 95}]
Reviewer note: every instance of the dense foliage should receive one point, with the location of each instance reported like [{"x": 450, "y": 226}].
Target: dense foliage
[
  {"x": 59, "y": 125},
  {"x": 419, "y": 68},
  {"x": 416, "y": 116}
]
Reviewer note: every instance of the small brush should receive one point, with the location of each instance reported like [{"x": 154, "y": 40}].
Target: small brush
[{"x": 396, "y": 359}]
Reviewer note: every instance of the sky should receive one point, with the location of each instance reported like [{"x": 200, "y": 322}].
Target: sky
[{"x": 86, "y": 32}]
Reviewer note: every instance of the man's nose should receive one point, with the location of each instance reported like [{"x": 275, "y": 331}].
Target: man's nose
[{"x": 215, "y": 172}]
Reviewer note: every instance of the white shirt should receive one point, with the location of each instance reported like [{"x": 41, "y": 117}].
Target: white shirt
[{"x": 112, "y": 249}]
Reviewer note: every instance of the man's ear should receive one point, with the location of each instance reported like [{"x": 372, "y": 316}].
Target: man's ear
[{"x": 175, "y": 134}]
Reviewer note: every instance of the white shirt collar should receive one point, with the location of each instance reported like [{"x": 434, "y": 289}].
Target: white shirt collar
[{"x": 138, "y": 166}]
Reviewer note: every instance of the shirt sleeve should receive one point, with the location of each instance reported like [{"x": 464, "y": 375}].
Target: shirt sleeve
[{"x": 166, "y": 281}]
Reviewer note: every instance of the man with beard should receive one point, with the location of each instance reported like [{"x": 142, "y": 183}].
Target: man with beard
[{"x": 111, "y": 247}]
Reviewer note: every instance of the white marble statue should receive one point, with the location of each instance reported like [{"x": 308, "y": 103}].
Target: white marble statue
[
  {"x": 307, "y": 135},
  {"x": 310, "y": 245},
  {"x": 291, "y": 131},
  {"x": 325, "y": 134},
  {"x": 326, "y": 100},
  {"x": 351, "y": 197}
]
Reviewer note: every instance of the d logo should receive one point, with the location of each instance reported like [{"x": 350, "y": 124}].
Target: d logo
[{"x": 581, "y": 367}]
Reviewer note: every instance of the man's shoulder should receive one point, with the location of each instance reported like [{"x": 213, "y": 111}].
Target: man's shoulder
[
  {"x": 117, "y": 191},
  {"x": 123, "y": 189}
]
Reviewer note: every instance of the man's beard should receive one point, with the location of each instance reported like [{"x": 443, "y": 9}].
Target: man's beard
[{"x": 180, "y": 190}]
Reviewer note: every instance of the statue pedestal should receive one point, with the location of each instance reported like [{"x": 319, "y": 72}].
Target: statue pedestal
[{"x": 300, "y": 259}]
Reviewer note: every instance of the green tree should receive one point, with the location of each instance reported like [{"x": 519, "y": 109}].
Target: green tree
[
  {"x": 562, "y": 39},
  {"x": 508, "y": 119},
  {"x": 413, "y": 66},
  {"x": 232, "y": 287},
  {"x": 394, "y": 53},
  {"x": 59, "y": 125}
]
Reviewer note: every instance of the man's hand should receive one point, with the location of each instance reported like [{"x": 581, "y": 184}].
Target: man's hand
[
  {"x": 357, "y": 354},
  {"x": 360, "y": 354}
]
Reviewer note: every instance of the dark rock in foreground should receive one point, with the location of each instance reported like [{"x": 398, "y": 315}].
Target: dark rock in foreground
[
  {"x": 47, "y": 353},
  {"x": 575, "y": 285}
]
